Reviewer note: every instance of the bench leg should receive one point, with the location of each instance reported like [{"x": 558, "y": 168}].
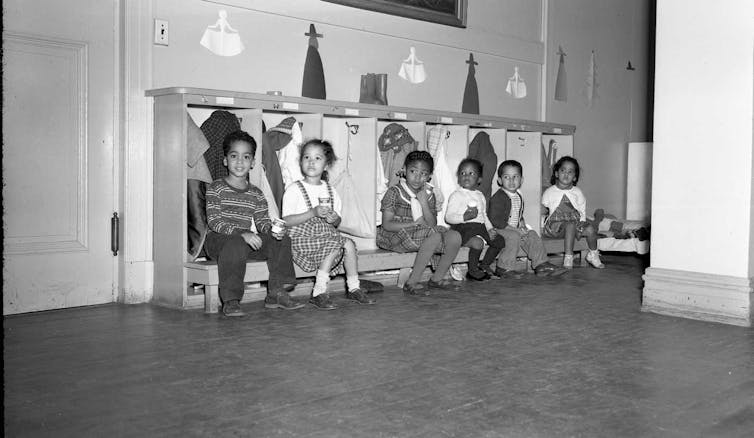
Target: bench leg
[
  {"x": 403, "y": 275},
  {"x": 211, "y": 298}
]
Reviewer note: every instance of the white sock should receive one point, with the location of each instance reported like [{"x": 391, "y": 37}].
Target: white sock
[
  {"x": 320, "y": 283},
  {"x": 593, "y": 252},
  {"x": 352, "y": 282}
]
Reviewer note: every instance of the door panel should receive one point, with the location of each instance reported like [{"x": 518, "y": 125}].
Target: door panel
[{"x": 59, "y": 89}]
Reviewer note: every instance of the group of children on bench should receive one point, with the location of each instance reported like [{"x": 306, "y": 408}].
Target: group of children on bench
[{"x": 311, "y": 214}]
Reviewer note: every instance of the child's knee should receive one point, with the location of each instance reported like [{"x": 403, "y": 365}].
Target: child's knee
[
  {"x": 475, "y": 243},
  {"x": 452, "y": 238},
  {"x": 349, "y": 247}
]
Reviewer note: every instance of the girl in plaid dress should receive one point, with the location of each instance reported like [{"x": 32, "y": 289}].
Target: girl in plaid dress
[
  {"x": 409, "y": 224},
  {"x": 311, "y": 209}
]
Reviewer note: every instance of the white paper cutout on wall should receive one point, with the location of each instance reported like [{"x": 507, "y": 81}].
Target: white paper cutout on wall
[
  {"x": 516, "y": 86},
  {"x": 221, "y": 39},
  {"x": 591, "y": 82},
  {"x": 561, "y": 92},
  {"x": 412, "y": 69}
]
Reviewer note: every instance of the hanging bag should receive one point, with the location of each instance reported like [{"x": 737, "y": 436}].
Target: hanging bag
[{"x": 353, "y": 220}]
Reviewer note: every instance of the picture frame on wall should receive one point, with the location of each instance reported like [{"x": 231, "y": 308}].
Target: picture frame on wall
[{"x": 448, "y": 12}]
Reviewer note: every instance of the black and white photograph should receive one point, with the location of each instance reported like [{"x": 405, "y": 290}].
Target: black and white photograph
[{"x": 378, "y": 219}]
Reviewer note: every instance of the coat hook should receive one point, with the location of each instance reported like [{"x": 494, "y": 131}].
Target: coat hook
[
  {"x": 523, "y": 141},
  {"x": 447, "y": 135},
  {"x": 353, "y": 129},
  {"x": 629, "y": 66}
]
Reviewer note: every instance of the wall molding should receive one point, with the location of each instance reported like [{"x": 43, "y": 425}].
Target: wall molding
[
  {"x": 136, "y": 180},
  {"x": 76, "y": 239},
  {"x": 694, "y": 295}
]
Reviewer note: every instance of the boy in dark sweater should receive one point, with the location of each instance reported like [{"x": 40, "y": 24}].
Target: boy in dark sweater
[
  {"x": 506, "y": 212},
  {"x": 234, "y": 208}
]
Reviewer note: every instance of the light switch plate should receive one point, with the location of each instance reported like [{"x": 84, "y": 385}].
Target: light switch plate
[{"x": 161, "y": 35}]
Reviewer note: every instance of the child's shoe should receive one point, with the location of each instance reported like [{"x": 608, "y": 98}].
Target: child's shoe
[
  {"x": 568, "y": 261},
  {"x": 477, "y": 275},
  {"x": 455, "y": 273},
  {"x": 443, "y": 284},
  {"x": 281, "y": 300},
  {"x": 232, "y": 308},
  {"x": 323, "y": 302},
  {"x": 547, "y": 269},
  {"x": 488, "y": 269},
  {"x": 359, "y": 296},
  {"x": 508, "y": 274},
  {"x": 415, "y": 289},
  {"x": 593, "y": 257}
]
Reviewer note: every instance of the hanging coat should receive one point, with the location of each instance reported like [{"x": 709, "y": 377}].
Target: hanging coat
[
  {"x": 443, "y": 178},
  {"x": 219, "y": 124},
  {"x": 288, "y": 157},
  {"x": 471, "y": 91},
  {"x": 481, "y": 149},
  {"x": 314, "y": 75}
]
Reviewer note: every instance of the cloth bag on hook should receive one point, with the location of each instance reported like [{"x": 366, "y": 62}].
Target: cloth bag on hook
[{"x": 353, "y": 219}]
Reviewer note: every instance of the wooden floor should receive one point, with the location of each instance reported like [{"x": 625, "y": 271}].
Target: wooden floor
[{"x": 532, "y": 358}]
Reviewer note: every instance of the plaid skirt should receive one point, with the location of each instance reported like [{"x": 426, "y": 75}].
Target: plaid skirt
[
  {"x": 556, "y": 229},
  {"x": 409, "y": 239},
  {"x": 313, "y": 241}
]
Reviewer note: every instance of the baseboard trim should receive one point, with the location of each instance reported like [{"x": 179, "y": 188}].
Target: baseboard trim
[
  {"x": 701, "y": 296},
  {"x": 137, "y": 283}
]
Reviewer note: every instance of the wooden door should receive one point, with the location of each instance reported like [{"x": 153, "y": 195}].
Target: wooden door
[{"x": 59, "y": 116}]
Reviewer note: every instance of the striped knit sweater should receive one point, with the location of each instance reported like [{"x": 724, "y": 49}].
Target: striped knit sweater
[{"x": 230, "y": 210}]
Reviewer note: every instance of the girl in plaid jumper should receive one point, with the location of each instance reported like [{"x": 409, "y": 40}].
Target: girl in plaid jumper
[
  {"x": 315, "y": 242},
  {"x": 409, "y": 224}
]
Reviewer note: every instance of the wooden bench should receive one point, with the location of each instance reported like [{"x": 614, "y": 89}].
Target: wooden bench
[{"x": 205, "y": 272}]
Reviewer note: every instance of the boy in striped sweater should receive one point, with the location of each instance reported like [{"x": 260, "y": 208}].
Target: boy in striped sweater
[{"x": 240, "y": 229}]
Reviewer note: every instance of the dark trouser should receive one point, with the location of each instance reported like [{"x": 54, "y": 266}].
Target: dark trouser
[
  {"x": 496, "y": 245},
  {"x": 231, "y": 253}
]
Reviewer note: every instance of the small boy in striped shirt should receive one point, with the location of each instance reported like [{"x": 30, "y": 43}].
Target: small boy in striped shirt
[{"x": 240, "y": 229}]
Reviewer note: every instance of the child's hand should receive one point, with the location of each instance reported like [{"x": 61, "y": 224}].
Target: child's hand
[
  {"x": 421, "y": 221},
  {"x": 470, "y": 213},
  {"x": 422, "y": 194},
  {"x": 320, "y": 211},
  {"x": 492, "y": 232},
  {"x": 331, "y": 217},
  {"x": 280, "y": 235},
  {"x": 253, "y": 240}
]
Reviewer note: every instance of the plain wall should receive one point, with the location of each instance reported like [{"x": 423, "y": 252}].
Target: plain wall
[
  {"x": 501, "y": 34},
  {"x": 617, "y": 31},
  {"x": 702, "y": 171}
]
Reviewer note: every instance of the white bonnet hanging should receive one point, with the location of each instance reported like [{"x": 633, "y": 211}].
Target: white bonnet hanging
[
  {"x": 516, "y": 86},
  {"x": 221, "y": 39},
  {"x": 412, "y": 69}
]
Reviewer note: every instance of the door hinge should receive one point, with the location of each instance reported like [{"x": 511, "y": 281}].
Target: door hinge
[{"x": 114, "y": 233}]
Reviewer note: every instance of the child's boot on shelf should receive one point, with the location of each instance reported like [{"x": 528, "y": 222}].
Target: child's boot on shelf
[
  {"x": 381, "y": 92},
  {"x": 593, "y": 257}
]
